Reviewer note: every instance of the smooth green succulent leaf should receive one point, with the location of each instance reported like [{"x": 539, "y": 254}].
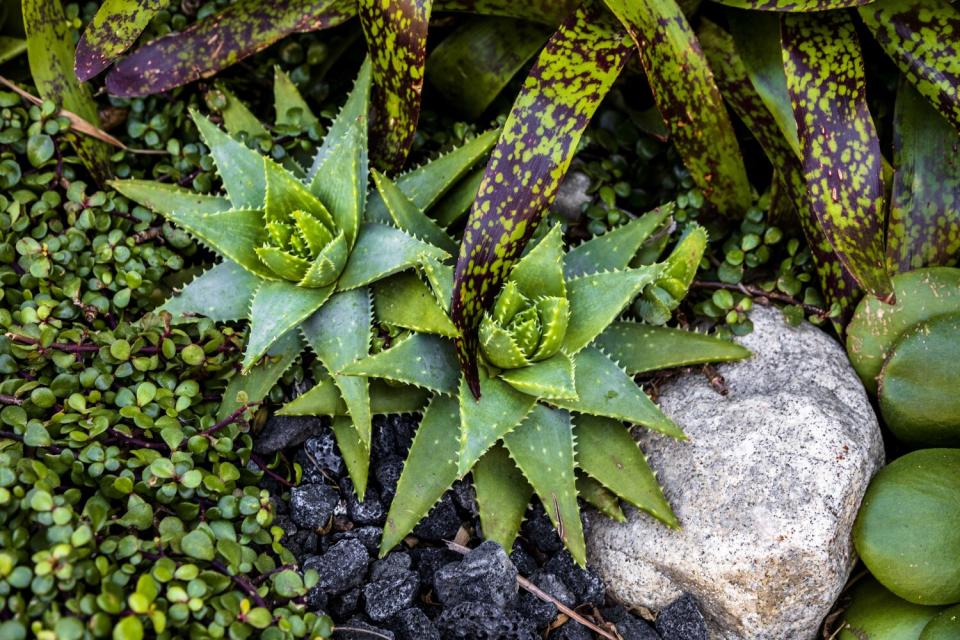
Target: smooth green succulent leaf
[
  {"x": 607, "y": 452},
  {"x": 50, "y": 53},
  {"x": 838, "y": 140},
  {"x": 396, "y": 33},
  {"x": 502, "y": 496},
  {"x": 945, "y": 626},
  {"x": 408, "y": 217},
  {"x": 456, "y": 204},
  {"x": 920, "y": 37},
  {"x": 115, "y": 27},
  {"x": 240, "y": 167},
  {"x": 258, "y": 382},
  {"x": 339, "y": 333},
  {"x": 355, "y": 451},
  {"x": 429, "y": 470},
  {"x": 596, "y": 299},
  {"x": 382, "y": 251},
  {"x": 421, "y": 360},
  {"x": 689, "y": 100},
  {"x": 614, "y": 250},
  {"x": 472, "y": 65},
  {"x": 351, "y": 117},
  {"x": 874, "y": 612},
  {"x": 484, "y": 420},
  {"x": 604, "y": 389},
  {"x": 876, "y": 327},
  {"x": 600, "y": 498},
  {"x": 219, "y": 41},
  {"x": 405, "y": 301},
  {"x": 640, "y": 348},
  {"x": 540, "y": 271},
  {"x": 222, "y": 293},
  {"x": 923, "y": 227},
  {"x": 543, "y": 448},
  {"x": 550, "y": 378},
  {"x": 291, "y": 109},
  {"x": 426, "y": 184},
  {"x": 560, "y": 94},
  {"x": 285, "y": 194},
  {"x": 237, "y": 118},
  {"x": 277, "y": 307}
]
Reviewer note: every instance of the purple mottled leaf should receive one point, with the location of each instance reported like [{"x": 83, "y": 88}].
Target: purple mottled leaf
[{"x": 115, "y": 27}]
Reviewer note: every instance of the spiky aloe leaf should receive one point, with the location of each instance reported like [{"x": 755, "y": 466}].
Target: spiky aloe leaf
[
  {"x": 472, "y": 65},
  {"x": 838, "y": 141},
  {"x": 550, "y": 378},
  {"x": 405, "y": 301},
  {"x": 396, "y": 32},
  {"x": 50, "y": 55},
  {"x": 355, "y": 108},
  {"x": 923, "y": 228},
  {"x": 486, "y": 419},
  {"x": 600, "y": 498},
  {"x": 421, "y": 360},
  {"x": 115, "y": 27},
  {"x": 559, "y": 96},
  {"x": 920, "y": 37},
  {"x": 385, "y": 399},
  {"x": 604, "y": 389},
  {"x": 220, "y": 40},
  {"x": 291, "y": 108},
  {"x": 257, "y": 384},
  {"x": 222, "y": 294},
  {"x": 670, "y": 286},
  {"x": 640, "y": 348},
  {"x": 607, "y": 452},
  {"x": 381, "y": 251},
  {"x": 339, "y": 333},
  {"x": 596, "y": 299},
  {"x": 502, "y": 495},
  {"x": 425, "y": 476},
  {"x": 165, "y": 199},
  {"x": 793, "y": 5},
  {"x": 457, "y": 203},
  {"x": 355, "y": 452},
  {"x": 407, "y": 216},
  {"x": 240, "y": 167},
  {"x": 237, "y": 118},
  {"x": 543, "y": 448},
  {"x": 614, "y": 250},
  {"x": 341, "y": 181},
  {"x": 440, "y": 278},
  {"x": 277, "y": 307},
  {"x": 687, "y": 96}
]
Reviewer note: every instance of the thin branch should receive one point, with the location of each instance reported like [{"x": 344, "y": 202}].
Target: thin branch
[
  {"x": 230, "y": 419},
  {"x": 241, "y": 582},
  {"x": 147, "y": 444},
  {"x": 255, "y": 459},
  {"x": 5, "y": 399},
  {"x": 66, "y": 347},
  {"x": 361, "y": 631},
  {"x": 15, "y": 436}
]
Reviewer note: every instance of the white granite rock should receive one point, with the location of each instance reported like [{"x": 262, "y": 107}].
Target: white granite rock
[{"x": 766, "y": 490}]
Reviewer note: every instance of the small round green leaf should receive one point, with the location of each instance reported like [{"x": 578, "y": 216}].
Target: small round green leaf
[
  {"x": 198, "y": 544},
  {"x": 877, "y": 614}
]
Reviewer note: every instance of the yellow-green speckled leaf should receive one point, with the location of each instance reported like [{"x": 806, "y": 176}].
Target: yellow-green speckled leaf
[{"x": 116, "y": 25}]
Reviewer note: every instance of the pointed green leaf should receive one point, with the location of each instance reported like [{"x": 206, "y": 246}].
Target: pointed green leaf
[
  {"x": 455, "y": 205},
  {"x": 601, "y": 499},
  {"x": 283, "y": 263},
  {"x": 405, "y": 301},
  {"x": 793, "y": 5},
  {"x": 603, "y": 389},
  {"x": 220, "y": 40},
  {"x": 429, "y": 470},
  {"x": 261, "y": 379},
  {"x": 659, "y": 300},
  {"x": 841, "y": 152},
  {"x": 167, "y": 198},
  {"x": 355, "y": 452},
  {"x": 240, "y": 167},
  {"x": 409, "y": 218},
  {"x": 50, "y": 55},
  {"x": 421, "y": 359},
  {"x": 615, "y": 249},
  {"x": 640, "y": 348},
  {"x": 687, "y": 96},
  {"x": 222, "y": 293},
  {"x": 339, "y": 333},
  {"x": 385, "y": 399},
  {"x": 286, "y": 195},
  {"x": 924, "y": 224},
  {"x": 607, "y": 451},
  {"x": 596, "y": 299},
  {"x": 502, "y": 495},
  {"x": 540, "y": 272},
  {"x": 10, "y": 48},
  {"x": 291, "y": 109},
  {"x": 483, "y": 421},
  {"x": 563, "y": 89},
  {"x": 328, "y": 265},
  {"x": 278, "y": 307},
  {"x": 396, "y": 33},
  {"x": 382, "y": 251},
  {"x": 116, "y": 26},
  {"x": 550, "y": 378},
  {"x": 323, "y": 399},
  {"x": 440, "y": 277},
  {"x": 543, "y": 448},
  {"x": 237, "y": 118}
]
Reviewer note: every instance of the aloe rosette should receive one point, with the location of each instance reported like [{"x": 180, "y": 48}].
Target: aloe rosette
[
  {"x": 303, "y": 250},
  {"x": 556, "y": 389}
]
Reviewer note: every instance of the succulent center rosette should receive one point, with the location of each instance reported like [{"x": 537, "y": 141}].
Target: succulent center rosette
[
  {"x": 523, "y": 329},
  {"x": 305, "y": 247}
]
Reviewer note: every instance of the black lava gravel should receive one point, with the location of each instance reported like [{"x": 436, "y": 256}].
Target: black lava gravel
[{"x": 422, "y": 590}]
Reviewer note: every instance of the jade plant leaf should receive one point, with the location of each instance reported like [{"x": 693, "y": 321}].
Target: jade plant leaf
[
  {"x": 561, "y": 92},
  {"x": 204, "y": 295},
  {"x": 920, "y": 37},
  {"x": 396, "y": 32},
  {"x": 615, "y": 249},
  {"x": 115, "y": 27},
  {"x": 838, "y": 141},
  {"x": 484, "y": 420},
  {"x": 640, "y": 348},
  {"x": 688, "y": 98},
  {"x": 502, "y": 496},
  {"x": 875, "y": 612},
  {"x": 944, "y": 627}
]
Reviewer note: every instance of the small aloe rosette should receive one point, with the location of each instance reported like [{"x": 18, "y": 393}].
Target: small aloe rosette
[
  {"x": 303, "y": 250},
  {"x": 557, "y": 389}
]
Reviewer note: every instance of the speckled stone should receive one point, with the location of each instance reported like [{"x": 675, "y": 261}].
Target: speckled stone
[{"x": 766, "y": 490}]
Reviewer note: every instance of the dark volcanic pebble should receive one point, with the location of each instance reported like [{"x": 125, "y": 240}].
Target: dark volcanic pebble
[
  {"x": 366, "y": 632},
  {"x": 484, "y": 575},
  {"x": 369, "y": 512},
  {"x": 539, "y": 531},
  {"x": 312, "y": 505},
  {"x": 345, "y": 604},
  {"x": 587, "y": 587},
  {"x": 342, "y": 567},
  {"x": 281, "y": 432},
  {"x": 393, "y": 564},
  {"x": 550, "y": 584},
  {"x": 483, "y": 621},
  {"x": 629, "y": 626},
  {"x": 387, "y": 474},
  {"x": 320, "y": 458},
  {"x": 368, "y": 536},
  {"x": 571, "y": 630},
  {"x": 442, "y": 523},
  {"x": 537, "y": 611},
  {"x": 682, "y": 620},
  {"x": 388, "y": 596},
  {"x": 413, "y": 624}
]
